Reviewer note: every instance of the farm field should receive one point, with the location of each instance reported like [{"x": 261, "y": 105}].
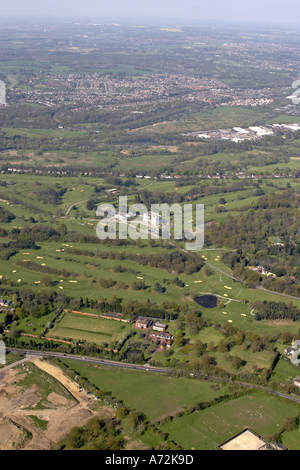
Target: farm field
[
  {"x": 89, "y": 329},
  {"x": 208, "y": 428},
  {"x": 157, "y": 395}
]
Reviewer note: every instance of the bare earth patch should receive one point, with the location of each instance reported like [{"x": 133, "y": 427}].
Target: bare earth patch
[
  {"x": 279, "y": 322},
  {"x": 18, "y": 429}
]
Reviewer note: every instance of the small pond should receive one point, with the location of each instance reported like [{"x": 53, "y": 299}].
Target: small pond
[{"x": 207, "y": 301}]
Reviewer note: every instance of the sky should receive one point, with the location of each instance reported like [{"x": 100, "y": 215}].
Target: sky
[{"x": 266, "y": 11}]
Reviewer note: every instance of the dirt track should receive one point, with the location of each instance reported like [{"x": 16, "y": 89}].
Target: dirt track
[{"x": 18, "y": 428}]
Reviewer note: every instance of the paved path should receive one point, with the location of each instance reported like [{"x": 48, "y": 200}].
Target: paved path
[{"x": 72, "y": 205}]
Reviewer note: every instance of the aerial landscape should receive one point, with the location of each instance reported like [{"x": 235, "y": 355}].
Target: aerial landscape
[{"x": 149, "y": 329}]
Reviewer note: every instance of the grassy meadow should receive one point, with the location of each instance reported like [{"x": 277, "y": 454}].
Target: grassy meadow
[
  {"x": 207, "y": 429},
  {"x": 156, "y": 395}
]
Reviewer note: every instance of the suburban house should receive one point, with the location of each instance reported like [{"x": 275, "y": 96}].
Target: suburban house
[
  {"x": 159, "y": 326},
  {"x": 164, "y": 338},
  {"x": 296, "y": 381},
  {"x": 6, "y": 303},
  {"x": 289, "y": 351},
  {"x": 277, "y": 242},
  {"x": 142, "y": 323},
  {"x": 294, "y": 352}
]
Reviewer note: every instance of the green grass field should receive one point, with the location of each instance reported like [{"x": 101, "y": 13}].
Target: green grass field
[
  {"x": 207, "y": 429},
  {"x": 89, "y": 329},
  {"x": 152, "y": 394}
]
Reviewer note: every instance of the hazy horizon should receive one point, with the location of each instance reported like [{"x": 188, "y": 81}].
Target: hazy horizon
[{"x": 259, "y": 11}]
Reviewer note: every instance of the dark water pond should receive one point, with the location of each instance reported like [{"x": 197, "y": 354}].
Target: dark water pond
[{"x": 207, "y": 301}]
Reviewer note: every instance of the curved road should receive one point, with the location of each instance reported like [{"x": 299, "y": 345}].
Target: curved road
[{"x": 72, "y": 205}]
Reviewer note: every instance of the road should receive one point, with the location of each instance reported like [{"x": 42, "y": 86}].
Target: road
[
  {"x": 278, "y": 293},
  {"x": 220, "y": 271},
  {"x": 146, "y": 367},
  {"x": 72, "y": 205}
]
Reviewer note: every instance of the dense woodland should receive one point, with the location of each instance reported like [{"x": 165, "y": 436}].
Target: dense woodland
[{"x": 270, "y": 217}]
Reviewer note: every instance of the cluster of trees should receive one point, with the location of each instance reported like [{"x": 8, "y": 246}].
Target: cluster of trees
[
  {"x": 97, "y": 434},
  {"x": 250, "y": 235},
  {"x": 288, "y": 285},
  {"x": 6, "y": 216},
  {"x": 9, "y": 249},
  {"x": 271, "y": 310},
  {"x": 174, "y": 261},
  {"x": 35, "y": 304},
  {"x": 50, "y": 195},
  {"x": 165, "y": 310},
  {"x": 270, "y": 215},
  {"x": 27, "y": 116},
  {"x": 47, "y": 270},
  {"x": 253, "y": 160},
  {"x": 40, "y": 233}
]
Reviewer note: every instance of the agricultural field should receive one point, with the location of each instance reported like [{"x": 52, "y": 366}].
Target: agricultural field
[
  {"x": 207, "y": 429},
  {"x": 202, "y": 429},
  {"x": 93, "y": 330},
  {"x": 157, "y": 395}
]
